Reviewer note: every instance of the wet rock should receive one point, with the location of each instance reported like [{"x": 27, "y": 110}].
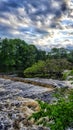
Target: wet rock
[
  {"x": 1, "y": 106},
  {"x": 7, "y": 126},
  {"x": 1, "y": 126},
  {"x": 16, "y": 125}
]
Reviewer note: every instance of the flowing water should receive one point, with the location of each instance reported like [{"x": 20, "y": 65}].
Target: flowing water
[{"x": 16, "y": 103}]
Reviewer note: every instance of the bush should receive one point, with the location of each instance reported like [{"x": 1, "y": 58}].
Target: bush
[
  {"x": 49, "y": 68},
  {"x": 71, "y": 73},
  {"x": 35, "y": 70},
  {"x": 67, "y": 74},
  {"x": 58, "y": 115}
]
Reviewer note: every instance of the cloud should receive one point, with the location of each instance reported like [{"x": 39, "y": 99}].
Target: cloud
[
  {"x": 36, "y": 11},
  {"x": 41, "y": 22}
]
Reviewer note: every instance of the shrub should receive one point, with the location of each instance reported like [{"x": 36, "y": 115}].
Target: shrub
[
  {"x": 67, "y": 74},
  {"x": 71, "y": 73},
  {"x": 35, "y": 70},
  {"x": 58, "y": 115}
]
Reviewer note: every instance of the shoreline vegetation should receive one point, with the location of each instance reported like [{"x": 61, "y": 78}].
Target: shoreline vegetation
[
  {"x": 59, "y": 114},
  {"x": 18, "y": 57}
]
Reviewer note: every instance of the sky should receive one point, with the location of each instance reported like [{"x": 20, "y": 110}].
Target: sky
[{"x": 44, "y": 23}]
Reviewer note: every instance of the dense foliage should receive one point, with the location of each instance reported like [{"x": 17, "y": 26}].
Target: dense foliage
[
  {"x": 50, "y": 68},
  {"x": 57, "y": 115},
  {"x": 17, "y": 53},
  {"x": 56, "y": 61},
  {"x": 36, "y": 70}
]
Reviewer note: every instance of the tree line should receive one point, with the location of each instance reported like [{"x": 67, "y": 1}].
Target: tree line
[
  {"x": 35, "y": 62},
  {"x": 17, "y": 53},
  {"x": 56, "y": 62}
]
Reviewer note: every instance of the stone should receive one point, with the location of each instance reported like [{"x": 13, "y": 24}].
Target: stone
[{"x": 1, "y": 126}]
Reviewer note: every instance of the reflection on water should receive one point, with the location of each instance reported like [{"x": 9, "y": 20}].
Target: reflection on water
[{"x": 12, "y": 70}]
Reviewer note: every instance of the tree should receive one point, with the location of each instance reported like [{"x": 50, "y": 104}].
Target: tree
[
  {"x": 31, "y": 55},
  {"x": 58, "y": 53},
  {"x": 6, "y": 53},
  {"x": 41, "y": 55}
]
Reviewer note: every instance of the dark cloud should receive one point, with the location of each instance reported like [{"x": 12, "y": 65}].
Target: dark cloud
[
  {"x": 43, "y": 7},
  {"x": 33, "y": 30},
  {"x": 5, "y": 31},
  {"x": 6, "y": 6},
  {"x": 5, "y": 28},
  {"x": 41, "y": 31}
]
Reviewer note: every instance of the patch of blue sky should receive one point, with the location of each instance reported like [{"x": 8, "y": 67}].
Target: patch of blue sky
[{"x": 67, "y": 22}]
